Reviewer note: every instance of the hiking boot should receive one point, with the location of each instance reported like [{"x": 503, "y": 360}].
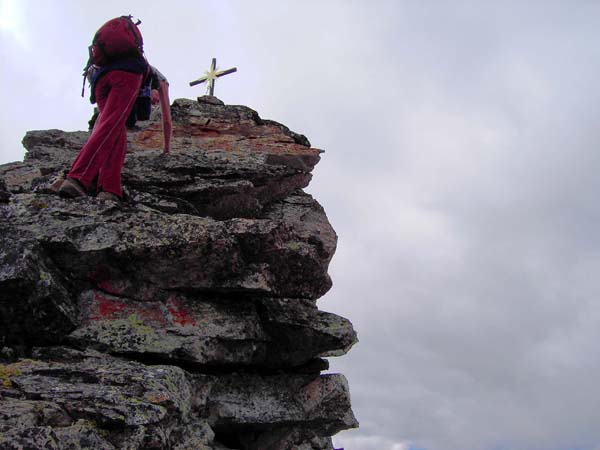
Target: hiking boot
[
  {"x": 108, "y": 196},
  {"x": 56, "y": 183},
  {"x": 72, "y": 188}
]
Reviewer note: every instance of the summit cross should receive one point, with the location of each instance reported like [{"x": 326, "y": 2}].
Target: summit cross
[{"x": 211, "y": 75}]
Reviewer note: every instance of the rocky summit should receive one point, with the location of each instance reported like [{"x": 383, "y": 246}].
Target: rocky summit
[{"x": 184, "y": 317}]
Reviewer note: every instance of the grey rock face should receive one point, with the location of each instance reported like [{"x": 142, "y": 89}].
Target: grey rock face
[
  {"x": 183, "y": 318},
  {"x": 35, "y": 305}
]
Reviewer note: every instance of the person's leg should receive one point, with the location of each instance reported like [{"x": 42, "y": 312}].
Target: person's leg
[
  {"x": 124, "y": 92},
  {"x": 109, "y": 173},
  {"x": 104, "y": 152}
]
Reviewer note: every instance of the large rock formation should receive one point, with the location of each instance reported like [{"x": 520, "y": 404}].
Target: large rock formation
[{"x": 183, "y": 318}]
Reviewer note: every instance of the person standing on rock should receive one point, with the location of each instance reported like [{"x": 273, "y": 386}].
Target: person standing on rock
[
  {"x": 154, "y": 90},
  {"x": 117, "y": 52}
]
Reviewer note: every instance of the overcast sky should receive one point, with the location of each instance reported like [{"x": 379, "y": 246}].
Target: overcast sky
[{"x": 461, "y": 173}]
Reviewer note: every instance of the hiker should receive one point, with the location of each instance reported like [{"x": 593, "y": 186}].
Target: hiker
[
  {"x": 117, "y": 50},
  {"x": 154, "y": 90}
]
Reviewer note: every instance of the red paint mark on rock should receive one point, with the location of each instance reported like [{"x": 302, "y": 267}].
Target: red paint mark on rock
[
  {"x": 107, "y": 309},
  {"x": 152, "y": 314},
  {"x": 159, "y": 314},
  {"x": 179, "y": 313}
]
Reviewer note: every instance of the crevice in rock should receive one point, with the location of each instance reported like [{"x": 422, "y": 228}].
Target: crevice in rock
[
  {"x": 312, "y": 367},
  {"x": 230, "y": 439}
]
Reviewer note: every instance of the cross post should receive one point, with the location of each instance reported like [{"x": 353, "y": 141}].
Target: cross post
[{"x": 211, "y": 75}]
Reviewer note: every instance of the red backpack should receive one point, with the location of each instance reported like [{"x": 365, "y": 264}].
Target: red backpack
[{"x": 117, "y": 37}]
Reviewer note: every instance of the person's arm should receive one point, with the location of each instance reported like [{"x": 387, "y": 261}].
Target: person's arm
[{"x": 165, "y": 107}]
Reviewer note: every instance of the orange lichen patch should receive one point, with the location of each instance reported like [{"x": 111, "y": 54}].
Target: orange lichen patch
[
  {"x": 224, "y": 136},
  {"x": 157, "y": 398}
]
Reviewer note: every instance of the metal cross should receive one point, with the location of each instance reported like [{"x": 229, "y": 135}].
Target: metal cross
[{"x": 211, "y": 75}]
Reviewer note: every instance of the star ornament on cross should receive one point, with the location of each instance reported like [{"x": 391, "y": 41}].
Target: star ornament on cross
[{"x": 211, "y": 75}]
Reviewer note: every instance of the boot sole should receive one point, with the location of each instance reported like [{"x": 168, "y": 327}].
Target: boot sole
[{"x": 69, "y": 190}]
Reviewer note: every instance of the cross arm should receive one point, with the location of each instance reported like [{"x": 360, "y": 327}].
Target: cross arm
[{"x": 226, "y": 72}]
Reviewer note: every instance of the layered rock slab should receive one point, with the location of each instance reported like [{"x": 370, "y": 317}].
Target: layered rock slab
[
  {"x": 58, "y": 247},
  {"x": 245, "y": 163},
  {"x": 258, "y": 334},
  {"x": 145, "y": 248},
  {"x": 65, "y": 397}
]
